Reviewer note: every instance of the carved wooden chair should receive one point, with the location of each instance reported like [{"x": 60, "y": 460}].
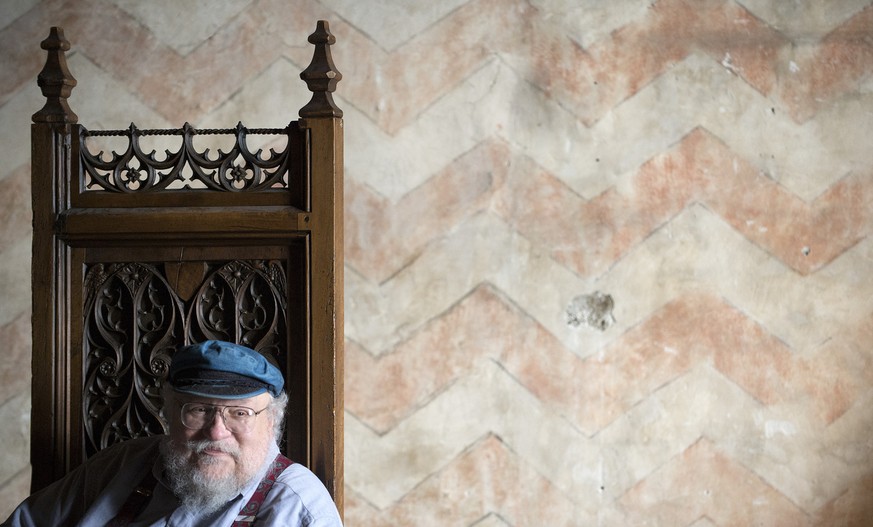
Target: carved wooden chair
[{"x": 135, "y": 254}]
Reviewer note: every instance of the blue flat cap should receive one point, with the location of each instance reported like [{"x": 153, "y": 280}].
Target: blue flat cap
[{"x": 223, "y": 370}]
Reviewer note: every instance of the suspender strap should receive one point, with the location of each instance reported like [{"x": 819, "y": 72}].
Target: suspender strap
[
  {"x": 248, "y": 513},
  {"x": 136, "y": 502}
]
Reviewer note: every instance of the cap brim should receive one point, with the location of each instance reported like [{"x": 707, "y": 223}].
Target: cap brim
[
  {"x": 219, "y": 392},
  {"x": 218, "y": 385}
]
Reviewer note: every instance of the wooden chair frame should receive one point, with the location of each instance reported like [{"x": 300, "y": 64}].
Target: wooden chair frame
[{"x": 126, "y": 268}]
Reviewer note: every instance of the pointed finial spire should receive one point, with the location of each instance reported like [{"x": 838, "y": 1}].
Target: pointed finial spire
[
  {"x": 56, "y": 81},
  {"x": 321, "y": 75}
]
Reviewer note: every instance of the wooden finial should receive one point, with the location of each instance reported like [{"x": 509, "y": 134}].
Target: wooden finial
[
  {"x": 56, "y": 81},
  {"x": 321, "y": 75}
]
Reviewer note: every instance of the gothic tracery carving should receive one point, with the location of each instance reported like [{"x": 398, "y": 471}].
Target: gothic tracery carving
[{"x": 134, "y": 321}]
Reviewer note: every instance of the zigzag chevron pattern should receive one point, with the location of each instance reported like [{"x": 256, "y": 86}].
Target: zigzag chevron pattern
[
  {"x": 706, "y": 163},
  {"x": 577, "y": 386}
]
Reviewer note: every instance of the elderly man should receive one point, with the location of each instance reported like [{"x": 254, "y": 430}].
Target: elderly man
[{"x": 219, "y": 465}]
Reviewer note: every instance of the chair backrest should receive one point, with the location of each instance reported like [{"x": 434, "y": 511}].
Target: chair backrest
[{"x": 135, "y": 254}]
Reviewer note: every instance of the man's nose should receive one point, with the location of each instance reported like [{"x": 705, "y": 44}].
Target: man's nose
[{"x": 217, "y": 429}]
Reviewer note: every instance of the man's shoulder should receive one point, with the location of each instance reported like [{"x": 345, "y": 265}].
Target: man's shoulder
[
  {"x": 136, "y": 443},
  {"x": 299, "y": 484},
  {"x": 146, "y": 447},
  {"x": 297, "y": 474},
  {"x": 298, "y": 493}
]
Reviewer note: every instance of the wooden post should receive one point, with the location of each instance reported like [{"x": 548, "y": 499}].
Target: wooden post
[
  {"x": 323, "y": 119},
  {"x": 50, "y": 169}
]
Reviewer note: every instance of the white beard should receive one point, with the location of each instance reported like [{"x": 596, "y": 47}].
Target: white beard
[{"x": 192, "y": 486}]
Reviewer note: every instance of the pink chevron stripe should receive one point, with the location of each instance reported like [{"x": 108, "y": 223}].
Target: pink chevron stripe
[
  {"x": 594, "y": 391},
  {"x": 15, "y": 206},
  {"x": 600, "y": 77},
  {"x": 15, "y": 336},
  {"x": 853, "y": 508},
  {"x": 488, "y": 477},
  {"x": 703, "y": 481},
  {"x": 590, "y": 236},
  {"x": 245, "y": 47},
  {"x": 834, "y": 67},
  {"x": 383, "y": 237}
]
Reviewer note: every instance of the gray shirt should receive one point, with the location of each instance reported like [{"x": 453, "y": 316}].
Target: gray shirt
[{"x": 93, "y": 493}]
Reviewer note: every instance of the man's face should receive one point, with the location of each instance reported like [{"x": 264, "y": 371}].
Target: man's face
[{"x": 217, "y": 452}]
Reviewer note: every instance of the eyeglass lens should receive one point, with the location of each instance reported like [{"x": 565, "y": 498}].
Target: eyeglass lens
[{"x": 197, "y": 416}]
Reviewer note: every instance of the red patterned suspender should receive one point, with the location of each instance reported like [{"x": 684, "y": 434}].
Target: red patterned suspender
[{"x": 248, "y": 513}]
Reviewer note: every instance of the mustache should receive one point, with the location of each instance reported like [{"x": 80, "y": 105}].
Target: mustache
[{"x": 199, "y": 446}]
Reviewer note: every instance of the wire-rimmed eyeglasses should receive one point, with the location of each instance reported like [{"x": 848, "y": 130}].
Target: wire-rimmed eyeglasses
[{"x": 197, "y": 416}]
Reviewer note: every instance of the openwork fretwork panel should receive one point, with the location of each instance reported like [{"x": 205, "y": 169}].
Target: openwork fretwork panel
[
  {"x": 231, "y": 166},
  {"x": 134, "y": 320}
]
